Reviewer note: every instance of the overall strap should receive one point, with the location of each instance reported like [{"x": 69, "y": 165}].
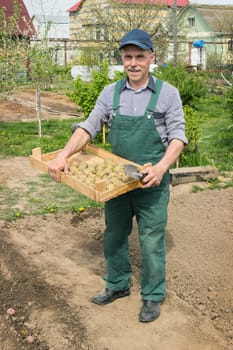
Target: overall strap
[
  {"x": 155, "y": 95},
  {"x": 116, "y": 97},
  {"x": 153, "y": 99}
]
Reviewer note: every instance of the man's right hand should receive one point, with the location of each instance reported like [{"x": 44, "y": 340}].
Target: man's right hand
[
  {"x": 77, "y": 141},
  {"x": 55, "y": 167}
]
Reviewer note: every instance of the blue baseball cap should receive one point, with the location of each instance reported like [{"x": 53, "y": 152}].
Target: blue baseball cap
[{"x": 138, "y": 38}]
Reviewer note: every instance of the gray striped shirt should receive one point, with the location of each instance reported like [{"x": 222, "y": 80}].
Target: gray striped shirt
[{"x": 169, "y": 118}]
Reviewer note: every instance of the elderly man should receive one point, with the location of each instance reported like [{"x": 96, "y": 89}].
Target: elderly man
[{"x": 146, "y": 125}]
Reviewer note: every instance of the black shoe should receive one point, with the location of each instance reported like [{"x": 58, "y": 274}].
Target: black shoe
[
  {"x": 150, "y": 310},
  {"x": 109, "y": 296}
]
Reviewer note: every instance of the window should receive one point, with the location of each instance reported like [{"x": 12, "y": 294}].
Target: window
[
  {"x": 95, "y": 32},
  {"x": 230, "y": 45},
  {"x": 191, "y": 22},
  {"x": 106, "y": 33},
  {"x": 98, "y": 33}
]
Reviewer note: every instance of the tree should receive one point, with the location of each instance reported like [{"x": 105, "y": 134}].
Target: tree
[
  {"x": 41, "y": 70},
  {"x": 20, "y": 59},
  {"x": 13, "y": 46}
]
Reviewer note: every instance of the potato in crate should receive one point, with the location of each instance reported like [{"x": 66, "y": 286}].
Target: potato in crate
[{"x": 94, "y": 172}]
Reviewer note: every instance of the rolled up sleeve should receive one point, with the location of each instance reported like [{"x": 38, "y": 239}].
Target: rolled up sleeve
[
  {"x": 174, "y": 122},
  {"x": 100, "y": 113}
]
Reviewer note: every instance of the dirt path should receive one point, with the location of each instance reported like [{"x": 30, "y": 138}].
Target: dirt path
[{"x": 50, "y": 266}]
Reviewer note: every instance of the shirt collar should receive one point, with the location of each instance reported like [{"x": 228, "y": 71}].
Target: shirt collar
[{"x": 150, "y": 85}]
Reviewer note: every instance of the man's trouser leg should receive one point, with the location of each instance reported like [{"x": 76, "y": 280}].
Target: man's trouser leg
[
  {"x": 150, "y": 208},
  {"x": 118, "y": 220}
]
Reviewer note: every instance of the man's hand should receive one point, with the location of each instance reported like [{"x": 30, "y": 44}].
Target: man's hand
[
  {"x": 77, "y": 141},
  {"x": 154, "y": 175},
  {"x": 156, "y": 172},
  {"x": 55, "y": 167}
]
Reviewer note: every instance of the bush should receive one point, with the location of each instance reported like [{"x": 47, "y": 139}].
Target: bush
[
  {"x": 193, "y": 128},
  {"x": 190, "y": 84},
  {"x": 229, "y": 98},
  {"x": 85, "y": 93},
  {"x": 190, "y": 155}
]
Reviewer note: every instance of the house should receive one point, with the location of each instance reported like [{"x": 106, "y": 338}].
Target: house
[
  {"x": 54, "y": 27},
  {"x": 206, "y": 34},
  {"x": 100, "y": 25},
  {"x": 24, "y": 27}
]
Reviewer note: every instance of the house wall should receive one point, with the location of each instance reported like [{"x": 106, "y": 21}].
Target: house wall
[
  {"x": 199, "y": 30},
  {"x": 193, "y": 26},
  {"x": 83, "y": 22}
]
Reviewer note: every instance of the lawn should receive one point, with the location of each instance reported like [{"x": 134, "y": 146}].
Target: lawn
[{"x": 216, "y": 142}]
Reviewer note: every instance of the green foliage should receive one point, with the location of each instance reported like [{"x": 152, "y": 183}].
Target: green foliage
[
  {"x": 193, "y": 128},
  {"x": 90, "y": 56},
  {"x": 213, "y": 184},
  {"x": 217, "y": 132},
  {"x": 190, "y": 84},
  {"x": 41, "y": 67},
  {"x": 119, "y": 75},
  {"x": 190, "y": 155},
  {"x": 62, "y": 73},
  {"x": 12, "y": 50},
  {"x": 19, "y": 61},
  {"x": 85, "y": 94},
  {"x": 229, "y": 97}
]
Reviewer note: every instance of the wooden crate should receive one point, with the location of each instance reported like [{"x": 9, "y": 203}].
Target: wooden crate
[{"x": 91, "y": 154}]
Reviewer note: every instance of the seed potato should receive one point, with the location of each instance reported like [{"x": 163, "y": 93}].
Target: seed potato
[{"x": 90, "y": 174}]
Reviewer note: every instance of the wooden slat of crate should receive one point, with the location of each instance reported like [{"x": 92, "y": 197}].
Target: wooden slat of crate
[{"x": 91, "y": 154}]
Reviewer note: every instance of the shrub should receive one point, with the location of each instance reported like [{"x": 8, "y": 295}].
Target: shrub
[
  {"x": 193, "y": 128},
  {"x": 229, "y": 97},
  {"x": 190, "y": 84},
  {"x": 85, "y": 93},
  {"x": 191, "y": 155}
]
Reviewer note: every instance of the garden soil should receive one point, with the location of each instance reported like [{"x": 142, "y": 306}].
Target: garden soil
[{"x": 50, "y": 265}]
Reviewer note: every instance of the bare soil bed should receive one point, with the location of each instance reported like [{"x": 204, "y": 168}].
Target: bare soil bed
[
  {"x": 21, "y": 106},
  {"x": 51, "y": 264}
]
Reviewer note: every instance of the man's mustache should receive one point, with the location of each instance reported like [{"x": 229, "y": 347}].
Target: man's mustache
[{"x": 133, "y": 69}]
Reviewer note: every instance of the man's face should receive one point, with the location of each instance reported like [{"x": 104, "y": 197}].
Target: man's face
[{"x": 136, "y": 64}]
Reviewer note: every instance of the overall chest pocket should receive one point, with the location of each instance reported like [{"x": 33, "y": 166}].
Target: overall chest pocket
[{"x": 158, "y": 115}]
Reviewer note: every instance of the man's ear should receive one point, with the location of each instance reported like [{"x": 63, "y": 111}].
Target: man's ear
[
  {"x": 120, "y": 54},
  {"x": 153, "y": 57}
]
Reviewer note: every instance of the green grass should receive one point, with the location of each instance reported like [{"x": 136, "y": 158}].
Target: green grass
[
  {"x": 216, "y": 143},
  {"x": 19, "y": 138},
  {"x": 39, "y": 197},
  {"x": 59, "y": 197}
]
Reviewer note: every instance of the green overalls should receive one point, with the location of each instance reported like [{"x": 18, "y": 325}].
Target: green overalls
[{"x": 137, "y": 139}]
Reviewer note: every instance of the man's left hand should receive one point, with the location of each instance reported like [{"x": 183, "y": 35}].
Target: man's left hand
[{"x": 154, "y": 175}]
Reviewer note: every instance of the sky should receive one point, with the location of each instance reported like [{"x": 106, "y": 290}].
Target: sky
[
  {"x": 54, "y": 10},
  {"x": 49, "y": 7}
]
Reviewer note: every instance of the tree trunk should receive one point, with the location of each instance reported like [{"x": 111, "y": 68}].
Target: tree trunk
[{"x": 38, "y": 109}]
